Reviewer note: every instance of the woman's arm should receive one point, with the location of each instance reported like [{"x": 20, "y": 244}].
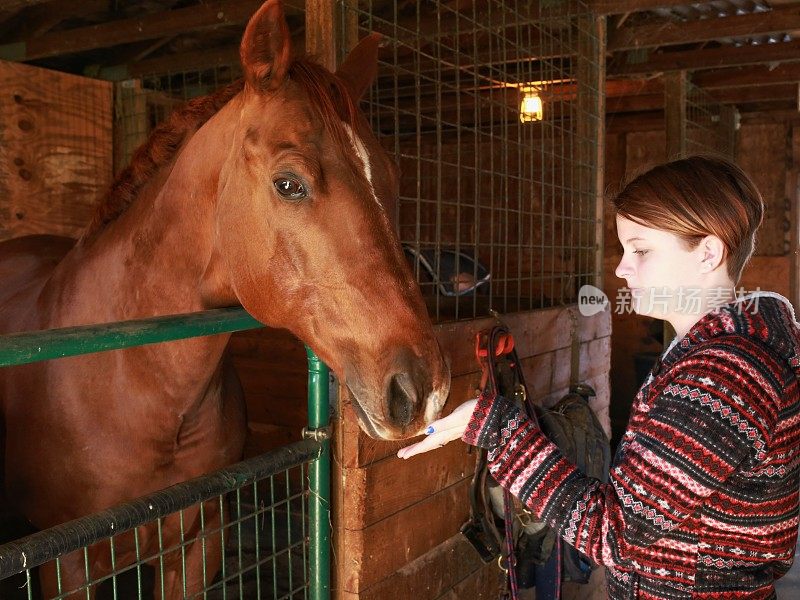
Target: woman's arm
[{"x": 713, "y": 413}]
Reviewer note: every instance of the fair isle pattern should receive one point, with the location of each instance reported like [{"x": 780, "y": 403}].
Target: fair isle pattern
[{"x": 702, "y": 500}]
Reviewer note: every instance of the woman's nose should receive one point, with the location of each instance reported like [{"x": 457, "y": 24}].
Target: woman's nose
[{"x": 623, "y": 269}]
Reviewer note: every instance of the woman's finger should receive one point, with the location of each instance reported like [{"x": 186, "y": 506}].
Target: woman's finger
[{"x": 436, "y": 440}]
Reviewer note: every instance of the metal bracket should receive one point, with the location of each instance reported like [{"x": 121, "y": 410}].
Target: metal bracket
[{"x": 318, "y": 435}]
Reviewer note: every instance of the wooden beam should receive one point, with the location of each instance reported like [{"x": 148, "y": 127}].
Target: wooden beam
[
  {"x": 170, "y": 63},
  {"x": 744, "y": 76},
  {"x": 666, "y": 33},
  {"x": 727, "y": 96},
  {"x": 614, "y": 7},
  {"x": 633, "y": 122},
  {"x": 16, "y": 5},
  {"x": 713, "y": 58},
  {"x": 125, "y": 31}
]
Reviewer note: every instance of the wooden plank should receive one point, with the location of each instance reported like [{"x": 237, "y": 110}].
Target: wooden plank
[
  {"x": 667, "y": 32},
  {"x": 633, "y": 87},
  {"x": 199, "y": 17},
  {"x": 760, "y": 153},
  {"x": 56, "y": 155},
  {"x": 710, "y": 58},
  {"x": 11, "y": 6},
  {"x": 748, "y": 76},
  {"x": 182, "y": 61},
  {"x": 635, "y": 122},
  {"x": 481, "y": 585},
  {"x": 616, "y": 7},
  {"x": 728, "y": 95},
  {"x": 449, "y": 565},
  {"x": 388, "y": 545},
  {"x": 767, "y": 273},
  {"x": 390, "y": 485}
]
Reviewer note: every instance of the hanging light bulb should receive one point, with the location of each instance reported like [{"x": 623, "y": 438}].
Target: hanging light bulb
[{"x": 530, "y": 108}]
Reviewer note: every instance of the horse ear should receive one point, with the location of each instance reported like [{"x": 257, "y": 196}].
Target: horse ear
[
  {"x": 266, "y": 47},
  {"x": 361, "y": 66}
]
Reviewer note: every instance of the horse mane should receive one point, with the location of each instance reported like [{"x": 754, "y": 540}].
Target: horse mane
[{"x": 327, "y": 93}]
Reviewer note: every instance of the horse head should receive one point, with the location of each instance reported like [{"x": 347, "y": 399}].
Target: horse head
[{"x": 304, "y": 229}]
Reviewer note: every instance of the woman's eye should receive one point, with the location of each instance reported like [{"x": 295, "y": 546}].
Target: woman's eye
[
  {"x": 640, "y": 252},
  {"x": 290, "y": 188}
]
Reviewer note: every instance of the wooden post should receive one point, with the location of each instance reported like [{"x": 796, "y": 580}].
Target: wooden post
[
  {"x": 321, "y": 31},
  {"x": 130, "y": 121},
  {"x": 331, "y": 29},
  {"x": 675, "y": 113},
  {"x": 591, "y": 75}
]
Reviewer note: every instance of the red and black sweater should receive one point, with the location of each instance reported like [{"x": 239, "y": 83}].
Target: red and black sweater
[{"x": 702, "y": 499}]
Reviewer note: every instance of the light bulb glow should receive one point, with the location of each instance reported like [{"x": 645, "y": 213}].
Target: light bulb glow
[{"x": 530, "y": 108}]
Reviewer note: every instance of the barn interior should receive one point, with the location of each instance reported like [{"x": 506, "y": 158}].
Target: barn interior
[{"x": 502, "y": 213}]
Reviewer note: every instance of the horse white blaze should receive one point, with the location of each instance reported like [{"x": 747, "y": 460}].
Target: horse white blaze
[
  {"x": 363, "y": 156},
  {"x": 436, "y": 399}
]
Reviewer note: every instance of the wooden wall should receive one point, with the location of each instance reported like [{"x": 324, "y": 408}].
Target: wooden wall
[
  {"x": 398, "y": 521},
  {"x": 55, "y": 149},
  {"x": 766, "y": 151}
]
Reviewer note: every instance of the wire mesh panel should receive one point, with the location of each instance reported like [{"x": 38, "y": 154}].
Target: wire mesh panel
[
  {"x": 141, "y": 104},
  {"x": 710, "y": 126},
  {"x": 241, "y": 533},
  {"x": 497, "y": 204}
]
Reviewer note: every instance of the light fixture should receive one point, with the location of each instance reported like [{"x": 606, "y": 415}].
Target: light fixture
[{"x": 530, "y": 109}]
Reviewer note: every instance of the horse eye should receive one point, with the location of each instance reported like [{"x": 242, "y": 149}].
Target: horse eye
[{"x": 290, "y": 188}]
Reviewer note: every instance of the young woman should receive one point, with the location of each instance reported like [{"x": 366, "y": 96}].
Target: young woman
[{"x": 702, "y": 500}]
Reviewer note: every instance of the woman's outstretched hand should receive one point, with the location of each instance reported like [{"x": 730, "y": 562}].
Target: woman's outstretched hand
[{"x": 443, "y": 430}]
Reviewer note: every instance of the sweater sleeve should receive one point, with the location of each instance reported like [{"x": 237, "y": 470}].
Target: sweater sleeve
[{"x": 703, "y": 423}]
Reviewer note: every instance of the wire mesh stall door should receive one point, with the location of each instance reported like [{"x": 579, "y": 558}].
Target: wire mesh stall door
[
  {"x": 241, "y": 532},
  {"x": 493, "y": 111},
  {"x": 710, "y": 125}
]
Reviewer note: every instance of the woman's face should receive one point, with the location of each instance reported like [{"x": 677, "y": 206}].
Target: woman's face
[{"x": 662, "y": 275}]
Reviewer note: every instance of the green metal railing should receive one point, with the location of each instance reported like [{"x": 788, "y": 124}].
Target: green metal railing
[{"x": 263, "y": 501}]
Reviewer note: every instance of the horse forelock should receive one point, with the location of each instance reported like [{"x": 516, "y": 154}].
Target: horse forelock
[
  {"x": 331, "y": 98},
  {"x": 326, "y": 93}
]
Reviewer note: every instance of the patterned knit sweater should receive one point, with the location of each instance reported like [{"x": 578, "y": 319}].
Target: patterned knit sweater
[{"x": 702, "y": 500}]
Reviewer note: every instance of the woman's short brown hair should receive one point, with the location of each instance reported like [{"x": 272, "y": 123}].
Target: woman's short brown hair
[{"x": 694, "y": 197}]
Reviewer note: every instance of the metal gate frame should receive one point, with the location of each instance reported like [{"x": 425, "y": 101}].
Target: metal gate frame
[{"x": 23, "y": 555}]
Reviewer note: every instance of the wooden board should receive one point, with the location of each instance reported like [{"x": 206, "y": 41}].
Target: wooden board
[
  {"x": 761, "y": 151},
  {"x": 452, "y": 565},
  {"x": 55, "y": 150},
  {"x": 392, "y": 543}
]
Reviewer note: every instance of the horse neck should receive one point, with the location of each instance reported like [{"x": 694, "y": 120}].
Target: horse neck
[{"x": 153, "y": 259}]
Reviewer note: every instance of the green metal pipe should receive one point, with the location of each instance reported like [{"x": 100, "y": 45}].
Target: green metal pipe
[
  {"x": 32, "y": 346},
  {"x": 320, "y": 479}
]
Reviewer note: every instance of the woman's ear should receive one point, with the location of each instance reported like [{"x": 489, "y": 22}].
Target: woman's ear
[{"x": 712, "y": 253}]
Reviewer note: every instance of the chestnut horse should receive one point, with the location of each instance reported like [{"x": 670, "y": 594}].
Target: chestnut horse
[{"x": 271, "y": 193}]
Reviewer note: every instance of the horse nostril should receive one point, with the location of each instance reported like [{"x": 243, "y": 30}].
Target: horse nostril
[{"x": 402, "y": 399}]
